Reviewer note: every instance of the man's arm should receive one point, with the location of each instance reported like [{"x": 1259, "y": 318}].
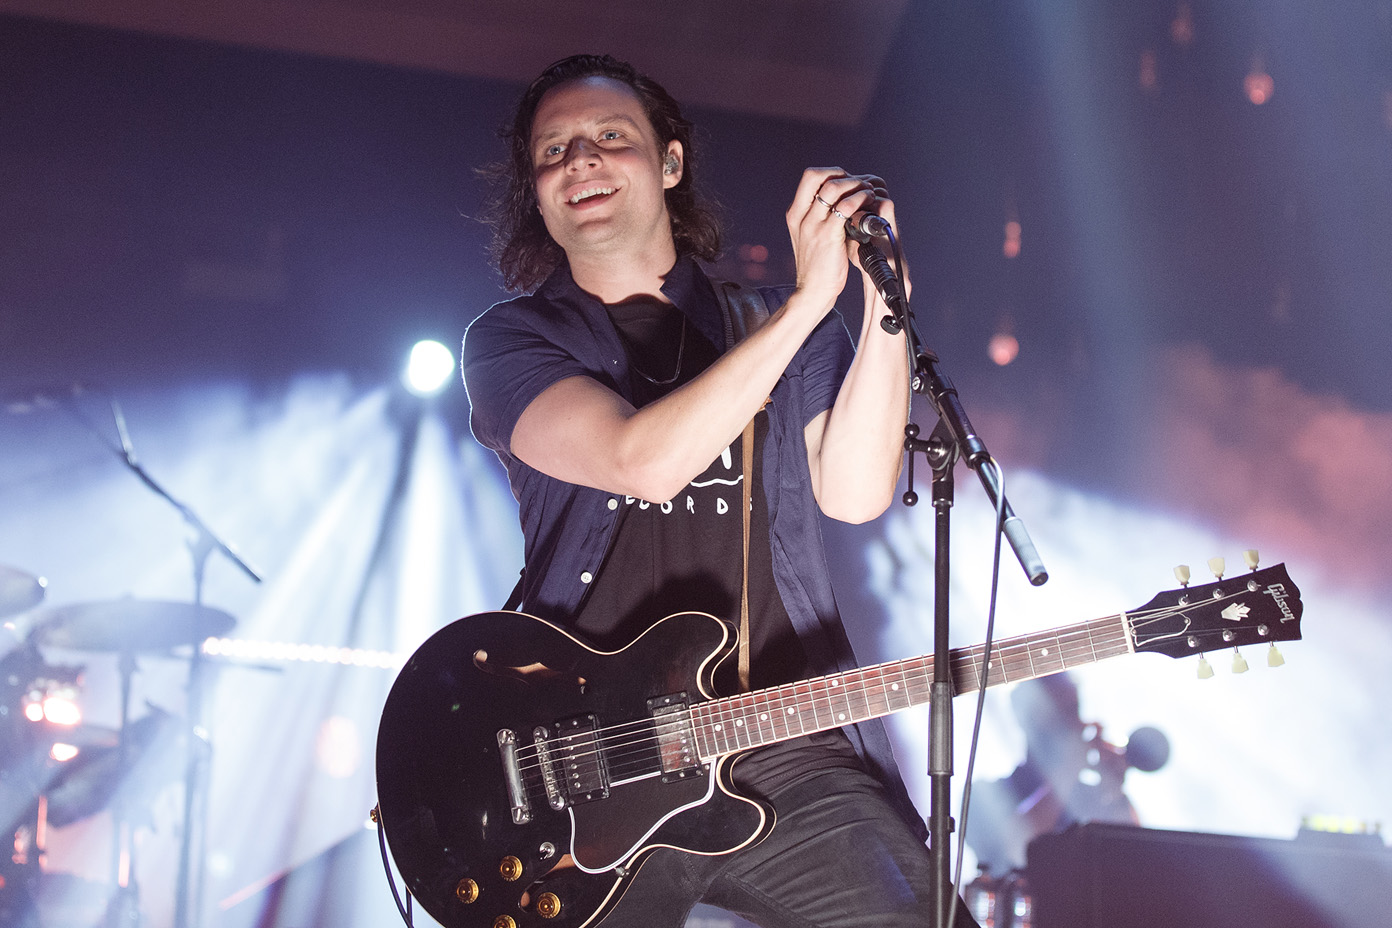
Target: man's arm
[
  {"x": 855, "y": 449},
  {"x": 579, "y": 431}
]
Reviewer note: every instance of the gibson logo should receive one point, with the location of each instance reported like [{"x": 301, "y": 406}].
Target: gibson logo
[{"x": 1277, "y": 591}]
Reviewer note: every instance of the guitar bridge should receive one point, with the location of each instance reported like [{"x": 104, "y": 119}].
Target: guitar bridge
[{"x": 512, "y": 776}]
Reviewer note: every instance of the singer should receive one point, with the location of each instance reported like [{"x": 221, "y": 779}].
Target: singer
[{"x": 672, "y": 443}]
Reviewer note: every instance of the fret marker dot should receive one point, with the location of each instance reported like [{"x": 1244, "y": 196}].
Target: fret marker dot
[
  {"x": 763, "y": 717},
  {"x": 835, "y": 682},
  {"x": 894, "y": 686},
  {"x": 718, "y": 728},
  {"x": 792, "y": 711},
  {"x": 1044, "y": 651},
  {"x": 739, "y": 723},
  {"x": 842, "y": 716}
]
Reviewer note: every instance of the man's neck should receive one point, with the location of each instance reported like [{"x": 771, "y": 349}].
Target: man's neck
[{"x": 619, "y": 278}]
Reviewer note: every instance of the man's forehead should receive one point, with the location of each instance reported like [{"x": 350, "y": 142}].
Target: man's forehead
[{"x": 587, "y": 100}]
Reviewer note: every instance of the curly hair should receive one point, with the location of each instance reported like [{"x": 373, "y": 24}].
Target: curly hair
[{"x": 524, "y": 252}]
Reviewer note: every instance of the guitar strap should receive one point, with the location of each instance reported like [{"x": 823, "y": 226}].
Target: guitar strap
[
  {"x": 747, "y": 453},
  {"x": 744, "y": 311}
]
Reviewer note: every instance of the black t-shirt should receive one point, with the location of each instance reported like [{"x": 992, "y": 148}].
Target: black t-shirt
[{"x": 686, "y": 554}]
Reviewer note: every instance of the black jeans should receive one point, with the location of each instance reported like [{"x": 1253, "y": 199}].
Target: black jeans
[{"x": 838, "y": 857}]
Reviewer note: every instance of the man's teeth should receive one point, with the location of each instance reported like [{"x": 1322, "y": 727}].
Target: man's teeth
[{"x": 591, "y": 192}]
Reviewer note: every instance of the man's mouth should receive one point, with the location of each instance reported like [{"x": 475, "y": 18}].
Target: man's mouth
[{"x": 589, "y": 193}]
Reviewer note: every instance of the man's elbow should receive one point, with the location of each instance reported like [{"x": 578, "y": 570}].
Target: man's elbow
[
  {"x": 649, "y": 477},
  {"x": 856, "y": 507}
]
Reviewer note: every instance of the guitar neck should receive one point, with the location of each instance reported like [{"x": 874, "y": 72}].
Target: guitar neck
[{"x": 767, "y": 716}]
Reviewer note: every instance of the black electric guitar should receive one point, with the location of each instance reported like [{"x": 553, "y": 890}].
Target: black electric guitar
[{"x": 522, "y": 775}]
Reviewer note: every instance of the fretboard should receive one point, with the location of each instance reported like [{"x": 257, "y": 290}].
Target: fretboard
[{"x": 767, "y": 716}]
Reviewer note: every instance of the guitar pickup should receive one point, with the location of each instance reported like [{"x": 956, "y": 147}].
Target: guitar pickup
[
  {"x": 676, "y": 741},
  {"x": 577, "y": 760}
]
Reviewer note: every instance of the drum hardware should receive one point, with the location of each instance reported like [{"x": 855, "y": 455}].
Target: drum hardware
[
  {"x": 152, "y": 628},
  {"x": 19, "y": 591}
]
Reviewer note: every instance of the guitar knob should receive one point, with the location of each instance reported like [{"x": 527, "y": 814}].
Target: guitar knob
[
  {"x": 510, "y": 868},
  {"x": 1239, "y": 663},
  {"x": 1205, "y": 668},
  {"x": 1251, "y": 558},
  {"x": 1217, "y": 564},
  {"x": 1181, "y": 573},
  {"x": 504, "y": 921},
  {"x": 548, "y": 905},
  {"x": 1273, "y": 657},
  {"x": 466, "y": 891}
]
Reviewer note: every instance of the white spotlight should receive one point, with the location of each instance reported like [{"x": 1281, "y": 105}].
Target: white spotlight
[{"x": 429, "y": 369}]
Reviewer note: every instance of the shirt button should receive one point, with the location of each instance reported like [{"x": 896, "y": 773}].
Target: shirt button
[
  {"x": 613, "y": 504},
  {"x": 586, "y": 577}
]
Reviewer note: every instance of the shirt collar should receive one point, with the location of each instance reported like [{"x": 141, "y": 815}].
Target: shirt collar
[{"x": 686, "y": 285}]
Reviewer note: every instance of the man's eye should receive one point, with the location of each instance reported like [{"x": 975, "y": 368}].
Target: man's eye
[
  {"x": 553, "y": 150},
  {"x": 609, "y": 135}
]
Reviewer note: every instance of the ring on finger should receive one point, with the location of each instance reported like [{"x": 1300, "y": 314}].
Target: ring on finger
[{"x": 833, "y": 210}]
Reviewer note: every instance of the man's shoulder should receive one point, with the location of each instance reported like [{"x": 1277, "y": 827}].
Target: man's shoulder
[{"x": 526, "y": 313}]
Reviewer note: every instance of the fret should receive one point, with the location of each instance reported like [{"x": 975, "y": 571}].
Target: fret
[
  {"x": 876, "y": 693},
  {"x": 856, "y": 695},
  {"x": 807, "y": 708},
  {"x": 739, "y": 711},
  {"x": 896, "y": 689},
  {"x": 838, "y": 705},
  {"x": 768, "y": 719}
]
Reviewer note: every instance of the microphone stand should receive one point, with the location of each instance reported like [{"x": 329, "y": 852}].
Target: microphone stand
[
  {"x": 952, "y": 439},
  {"x": 201, "y": 544}
]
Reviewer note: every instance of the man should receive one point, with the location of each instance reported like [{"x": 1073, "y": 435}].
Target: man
[{"x": 618, "y": 401}]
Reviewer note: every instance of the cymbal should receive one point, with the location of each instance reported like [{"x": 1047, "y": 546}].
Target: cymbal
[
  {"x": 19, "y": 591},
  {"x": 128, "y": 625}
]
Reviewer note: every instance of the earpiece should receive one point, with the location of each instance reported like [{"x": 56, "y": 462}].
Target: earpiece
[{"x": 670, "y": 165}]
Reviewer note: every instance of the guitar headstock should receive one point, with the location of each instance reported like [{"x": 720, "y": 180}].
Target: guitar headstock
[{"x": 1260, "y": 607}]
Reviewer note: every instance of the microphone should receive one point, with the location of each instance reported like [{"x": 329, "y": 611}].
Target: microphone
[
  {"x": 23, "y": 402},
  {"x": 864, "y": 228}
]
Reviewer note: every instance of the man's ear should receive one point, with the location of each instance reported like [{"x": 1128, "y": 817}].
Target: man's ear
[{"x": 672, "y": 164}]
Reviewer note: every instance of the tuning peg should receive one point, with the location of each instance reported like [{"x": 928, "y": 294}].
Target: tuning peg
[
  {"x": 1205, "y": 668},
  {"x": 1273, "y": 657},
  {"x": 1251, "y": 557},
  {"x": 1181, "y": 573},
  {"x": 1216, "y": 564},
  {"x": 1239, "y": 663}
]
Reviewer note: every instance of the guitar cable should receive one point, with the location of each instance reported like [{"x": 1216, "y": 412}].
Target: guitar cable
[
  {"x": 404, "y": 910},
  {"x": 983, "y": 681}
]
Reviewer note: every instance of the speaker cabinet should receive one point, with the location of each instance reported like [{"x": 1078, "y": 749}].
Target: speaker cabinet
[{"x": 1117, "y": 876}]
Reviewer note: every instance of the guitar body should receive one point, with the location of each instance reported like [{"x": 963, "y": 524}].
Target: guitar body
[{"x": 449, "y": 788}]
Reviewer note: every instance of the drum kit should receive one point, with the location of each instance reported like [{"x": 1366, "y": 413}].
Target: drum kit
[{"x": 56, "y": 770}]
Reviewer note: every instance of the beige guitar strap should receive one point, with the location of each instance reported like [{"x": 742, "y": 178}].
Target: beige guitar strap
[
  {"x": 744, "y": 311},
  {"x": 747, "y": 453}
]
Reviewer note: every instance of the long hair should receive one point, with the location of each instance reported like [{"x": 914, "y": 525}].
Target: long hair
[{"x": 522, "y": 249}]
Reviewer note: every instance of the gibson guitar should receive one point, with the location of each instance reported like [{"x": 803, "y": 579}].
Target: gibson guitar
[{"x": 523, "y": 775}]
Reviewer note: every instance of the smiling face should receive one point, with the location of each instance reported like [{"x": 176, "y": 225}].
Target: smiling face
[{"x": 598, "y": 171}]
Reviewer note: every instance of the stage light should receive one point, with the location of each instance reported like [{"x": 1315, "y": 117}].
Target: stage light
[
  {"x": 1258, "y": 84},
  {"x": 1011, "y": 246},
  {"x": 1003, "y": 348},
  {"x": 61, "y": 710},
  {"x": 429, "y": 368}
]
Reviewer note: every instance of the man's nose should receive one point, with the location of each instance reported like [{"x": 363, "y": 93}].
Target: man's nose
[{"x": 581, "y": 152}]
